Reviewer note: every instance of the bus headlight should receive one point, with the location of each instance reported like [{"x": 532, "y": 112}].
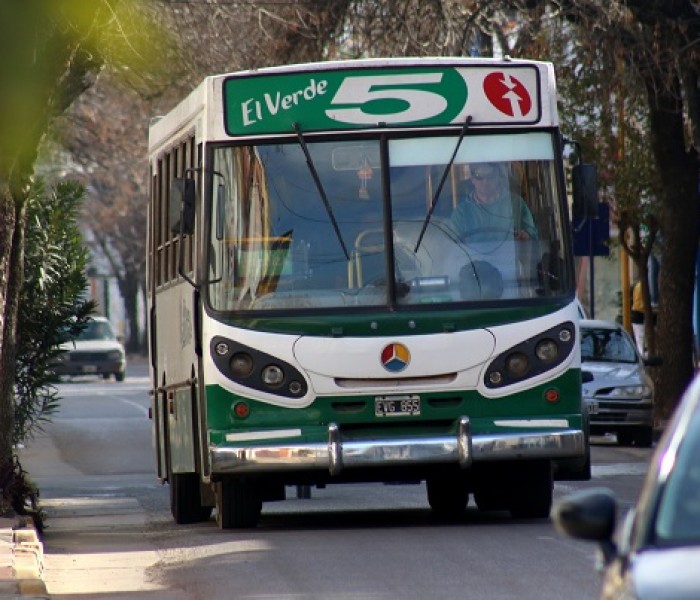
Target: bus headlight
[
  {"x": 273, "y": 376},
  {"x": 547, "y": 350},
  {"x": 257, "y": 370},
  {"x": 531, "y": 357},
  {"x": 241, "y": 364},
  {"x": 517, "y": 364}
]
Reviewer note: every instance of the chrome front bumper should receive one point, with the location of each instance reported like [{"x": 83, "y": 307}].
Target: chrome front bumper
[{"x": 338, "y": 454}]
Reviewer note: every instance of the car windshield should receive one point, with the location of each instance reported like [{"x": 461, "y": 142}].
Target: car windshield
[
  {"x": 606, "y": 345},
  {"x": 97, "y": 330},
  {"x": 678, "y": 517}
]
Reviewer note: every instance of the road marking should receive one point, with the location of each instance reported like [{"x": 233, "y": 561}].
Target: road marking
[
  {"x": 612, "y": 470},
  {"x": 136, "y": 405}
]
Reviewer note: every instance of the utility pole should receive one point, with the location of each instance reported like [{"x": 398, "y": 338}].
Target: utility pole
[{"x": 624, "y": 258}]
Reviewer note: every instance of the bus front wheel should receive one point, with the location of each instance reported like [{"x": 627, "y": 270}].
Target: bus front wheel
[
  {"x": 532, "y": 486},
  {"x": 448, "y": 497},
  {"x": 238, "y": 504}
]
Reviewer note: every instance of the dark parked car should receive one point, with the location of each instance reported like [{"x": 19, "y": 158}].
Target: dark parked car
[
  {"x": 97, "y": 351},
  {"x": 618, "y": 392},
  {"x": 656, "y": 552}
]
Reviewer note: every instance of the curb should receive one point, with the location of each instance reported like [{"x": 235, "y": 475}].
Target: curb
[{"x": 21, "y": 560}]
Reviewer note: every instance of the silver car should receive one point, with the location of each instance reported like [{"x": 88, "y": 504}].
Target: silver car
[
  {"x": 656, "y": 552},
  {"x": 618, "y": 392}
]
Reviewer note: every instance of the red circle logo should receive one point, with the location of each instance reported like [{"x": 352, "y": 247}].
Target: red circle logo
[{"x": 507, "y": 94}]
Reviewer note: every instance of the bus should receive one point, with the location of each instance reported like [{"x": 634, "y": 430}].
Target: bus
[{"x": 334, "y": 297}]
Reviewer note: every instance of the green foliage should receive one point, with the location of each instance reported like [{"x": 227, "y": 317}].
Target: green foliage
[
  {"x": 18, "y": 493},
  {"x": 53, "y": 308},
  {"x": 50, "y": 52}
]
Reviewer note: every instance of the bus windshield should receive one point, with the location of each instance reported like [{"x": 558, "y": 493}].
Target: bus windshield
[{"x": 349, "y": 227}]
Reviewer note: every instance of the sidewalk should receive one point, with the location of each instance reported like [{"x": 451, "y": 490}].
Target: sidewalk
[{"x": 21, "y": 560}]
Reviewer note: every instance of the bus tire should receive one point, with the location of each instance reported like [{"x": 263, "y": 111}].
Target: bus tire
[
  {"x": 491, "y": 498},
  {"x": 531, "y": 495},
  {"x": 238, "y": 504},
  {"x": 185, "y": 499},
  {"x": 448, "y": 497},
  {"x": 575, "y": 469}
]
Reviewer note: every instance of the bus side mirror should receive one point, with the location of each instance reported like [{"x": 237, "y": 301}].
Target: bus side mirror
[
  {"x": 182, "y": 206},
  {"x": 584, "y": 180}
]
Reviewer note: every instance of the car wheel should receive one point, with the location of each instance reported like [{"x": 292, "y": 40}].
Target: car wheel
[
  {"x": 644, "y": 437},
  {"x": 625, "y": 438},
  {"x": 120, "y": 375}
]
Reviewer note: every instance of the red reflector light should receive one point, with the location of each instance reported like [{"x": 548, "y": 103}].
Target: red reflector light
[
  {"x": 241, "y": 410},
  {"x": 551, "y": 395}
]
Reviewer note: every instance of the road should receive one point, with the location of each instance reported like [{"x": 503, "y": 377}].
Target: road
[{"x": 110, "y": 535}]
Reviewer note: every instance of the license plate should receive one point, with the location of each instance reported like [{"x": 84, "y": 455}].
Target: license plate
[
  {"x": 404, "y": 406},
  {"x": 89, "y": 369}
]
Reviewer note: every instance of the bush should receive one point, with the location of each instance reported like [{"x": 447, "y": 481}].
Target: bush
[{"x": 53, "y": 308}]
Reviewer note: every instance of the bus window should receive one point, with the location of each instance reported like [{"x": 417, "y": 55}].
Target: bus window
[{"x": 280, "y": 247}]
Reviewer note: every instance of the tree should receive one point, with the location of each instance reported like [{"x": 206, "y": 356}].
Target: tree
[
  {"x": 105, "y": 132},
  {"x": 50, "y": 52},
  {"x": 656, "y": 43},
  {"x": 604, "y": 108}
]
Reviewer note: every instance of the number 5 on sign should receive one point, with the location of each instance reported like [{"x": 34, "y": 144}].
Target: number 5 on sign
[{"x": 359, "y": 91}]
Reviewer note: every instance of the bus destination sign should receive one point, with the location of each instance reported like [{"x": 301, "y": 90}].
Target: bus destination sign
[{"x": 361, "y": 98}]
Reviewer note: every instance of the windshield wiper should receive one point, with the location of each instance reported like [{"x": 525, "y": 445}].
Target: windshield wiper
[
  {"x": 319, "y": 187},
  {"x": 429, "y": 216}
]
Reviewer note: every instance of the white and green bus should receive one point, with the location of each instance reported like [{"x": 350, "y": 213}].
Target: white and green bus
[{"x": 362, "y": 271}]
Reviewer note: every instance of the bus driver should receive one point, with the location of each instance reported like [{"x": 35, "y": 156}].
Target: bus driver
[{"x": 490, "y": 211}]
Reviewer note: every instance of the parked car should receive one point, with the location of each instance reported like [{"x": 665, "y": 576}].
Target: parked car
[
  {"x": 618, "y": 392},
  {"x": 96, "y": 351},
  {"x": 655, "y": 554}
]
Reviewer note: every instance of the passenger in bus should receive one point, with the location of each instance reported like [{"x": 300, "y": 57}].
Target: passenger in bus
[{"x": 490, "y": 210}]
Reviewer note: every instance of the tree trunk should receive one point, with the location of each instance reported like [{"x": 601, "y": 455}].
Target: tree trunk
[
  {"x": 12, "y": 286},
  {"x": 679, "y": 226},
  {"x": 7, "y": 409},
  {"x": 129, "y": 289}
]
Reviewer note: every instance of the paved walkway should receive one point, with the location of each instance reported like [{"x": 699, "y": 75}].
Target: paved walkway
[{"x": 21, "y": 560}]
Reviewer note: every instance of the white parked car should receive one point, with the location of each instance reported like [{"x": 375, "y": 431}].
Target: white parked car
[
  {"x": 654, "y": 554},
  {"x": 96, "y": 352}
]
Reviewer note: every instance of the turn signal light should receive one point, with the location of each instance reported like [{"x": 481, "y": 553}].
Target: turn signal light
[
  {"x": 241, "y": 410},
  {"x": 551, "y": 395}
]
